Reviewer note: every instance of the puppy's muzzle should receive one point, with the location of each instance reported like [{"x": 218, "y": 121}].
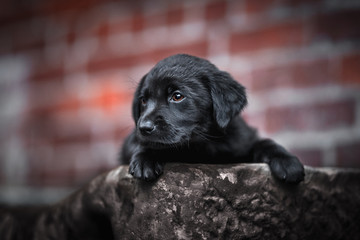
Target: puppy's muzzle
[{"x": 146, "y": 127}]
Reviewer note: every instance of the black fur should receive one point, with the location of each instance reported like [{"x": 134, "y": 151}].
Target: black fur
[{"x": 187, "y": 110}]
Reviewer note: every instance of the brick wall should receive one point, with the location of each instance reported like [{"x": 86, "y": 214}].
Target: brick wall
[{"x": 68, "y": 70}]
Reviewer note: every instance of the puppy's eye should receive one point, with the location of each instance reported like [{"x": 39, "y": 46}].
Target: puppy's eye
[
  {"x": 177, "y": 97},
  {"x": 143, "y": 101}
]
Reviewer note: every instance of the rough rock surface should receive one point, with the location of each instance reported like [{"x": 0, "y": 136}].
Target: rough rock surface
[
  {"x": 245, "y": 202},
  {"x": 208, "y": 202}
]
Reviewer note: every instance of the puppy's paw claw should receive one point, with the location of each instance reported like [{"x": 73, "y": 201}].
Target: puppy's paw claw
[{"x": 145, "y": 169}]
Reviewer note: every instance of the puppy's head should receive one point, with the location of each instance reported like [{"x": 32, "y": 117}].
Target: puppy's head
[{"x": 184, "y": 98}]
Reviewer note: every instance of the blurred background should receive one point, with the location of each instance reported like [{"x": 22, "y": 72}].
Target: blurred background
[{"x": 68, "y": 70}]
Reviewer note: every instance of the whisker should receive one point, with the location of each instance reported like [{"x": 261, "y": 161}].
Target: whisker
[{"x": 206, "y": 136}]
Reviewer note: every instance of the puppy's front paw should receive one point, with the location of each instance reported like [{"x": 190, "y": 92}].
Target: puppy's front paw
[
  {"x": 145, "y": 169},
  {"x": 287, "y": 168}
]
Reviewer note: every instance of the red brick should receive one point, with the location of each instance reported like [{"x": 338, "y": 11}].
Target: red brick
[
  {"x": 175, "y": 16},
  {"x": 297, "y": 75},
  {"x": 71, "y": 37},
  {"x": 118, "y": 62},
  {"x": 348, "y": 154},
  {"x": 13, "y": 13},
  {"x": 55, "y": 177},
  {"x": 171, "y": 16},
  {"x": 338, "y": 25},
  {"x": 42, "y": 95},
  {"x": 215, "y": 10},
  {"x": 350, "y": 69},
  {"x": 28, "y": 36},
  {"x": 121, "y": 24},
  {"x": 258, "y": 5},
  {"x": 54, "y": 7},
  {"x": 138, "y": 22},
  {"x": 74, "y": 139},
  {"x": 108, "y": 99},
  {"x": 56, "y": 120},
  {"x": 56, "y": 130},
  {"x": 97, "y": 64},
  {"x": 46, "y": 170},
  {"x": 39, "y": 128},
  {"x": 198, "y": 49},
  {"x": 286, "y": 34},
  {"x": 67, "y": 104},
  {"x": 47, "y": 74},
  {"x": 51, "y": 178},
  {"x": 309, "y": 157},
  {"x": 102, "y": 94},
  {"x": 102, "y": 30},
  {"x": 323, "y": 116},
  {"x": 261, "y": 6},
  {"x": 44, "y": 70},
  {"x": 28, "y": 45},
  {"x": 54, "y": 161},
  {"x": 67, "y": 165},
  {"x": 63, "y": 177},
  {"x": 64, "y": 28},
  {"x": 156, "y": 20},
  {"x": 299, "y": 3},
  {"x": 5, "y": 44}
]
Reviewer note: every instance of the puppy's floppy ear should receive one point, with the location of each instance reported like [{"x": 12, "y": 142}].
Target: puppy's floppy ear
[
  {"x": 136, "y": 101},
  {"x": 228, "y": 97}
]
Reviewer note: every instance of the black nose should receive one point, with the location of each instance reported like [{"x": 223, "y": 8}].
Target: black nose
[{"x": 146, "y": 127}]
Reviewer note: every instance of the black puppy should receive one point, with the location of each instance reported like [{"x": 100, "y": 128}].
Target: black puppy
[{"x": 186, "y": 110}]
